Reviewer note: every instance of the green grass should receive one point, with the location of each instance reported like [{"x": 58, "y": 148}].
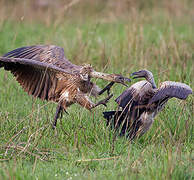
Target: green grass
[{"x": 30, "y": 149}]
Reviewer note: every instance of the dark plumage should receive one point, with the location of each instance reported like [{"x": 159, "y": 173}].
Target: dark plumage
[
  {"x": 141, "y": 103},
  {"x": 44, "y": 72}
]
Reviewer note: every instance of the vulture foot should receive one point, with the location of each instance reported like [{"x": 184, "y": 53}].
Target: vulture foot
[{"x": 104, "y": 101}]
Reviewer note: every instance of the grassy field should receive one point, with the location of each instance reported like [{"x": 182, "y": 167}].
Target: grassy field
[{"x": 82, "y": 147}]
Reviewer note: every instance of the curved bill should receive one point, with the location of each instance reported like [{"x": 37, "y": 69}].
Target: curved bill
[
  {"x": 117, "y": 78},
  {"x": 145, "y": 74}
]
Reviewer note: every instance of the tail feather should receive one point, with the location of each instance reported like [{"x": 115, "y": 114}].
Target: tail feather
[
  {"x": 109, "y": 114},
  {"x": 117, "y": 120},
  {"x": 121, "y": 123}
]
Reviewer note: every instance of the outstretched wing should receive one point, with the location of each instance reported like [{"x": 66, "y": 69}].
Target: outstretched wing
[
  {"x": 35, "y": 68},
  {"x": 169, "y": 89},
  {"x": 48, "y": 54}
]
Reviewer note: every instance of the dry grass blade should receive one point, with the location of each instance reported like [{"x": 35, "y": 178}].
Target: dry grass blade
[
  {"x": 13, "y": 138},
  {"x": 100, "y": 159},
  {"x": 22, "y": 149}
]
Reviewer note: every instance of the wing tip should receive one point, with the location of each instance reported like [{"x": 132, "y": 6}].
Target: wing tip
[{"x": 170, "y": 89}]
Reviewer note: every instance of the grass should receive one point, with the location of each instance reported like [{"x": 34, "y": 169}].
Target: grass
[{"x": 83, "y": 147}]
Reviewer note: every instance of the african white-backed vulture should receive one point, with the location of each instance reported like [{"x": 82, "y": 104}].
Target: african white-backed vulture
[
  {"x": 141, "y": 102},
  {"x": 44, "y": 72}
]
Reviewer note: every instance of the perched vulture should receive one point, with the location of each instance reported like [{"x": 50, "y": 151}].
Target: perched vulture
[
  {"x": 141, "y": 102},
  {"x": 44, "y": 72}
]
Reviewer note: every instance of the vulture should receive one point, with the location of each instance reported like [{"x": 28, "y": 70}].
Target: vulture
[
  {"x": 44, "y": 72},
  {"x": 140, "y": 103}
]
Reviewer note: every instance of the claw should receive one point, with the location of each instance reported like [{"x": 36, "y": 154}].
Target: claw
[
  {"x": 104, "y": 104},
  {"x": 66, "y": 112},
  {"x": 104, "y": 101}
]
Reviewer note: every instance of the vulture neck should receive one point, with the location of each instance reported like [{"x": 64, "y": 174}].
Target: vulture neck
[
  {"x": 153, "y": 83},
  {"x": 100, "y": 75},
  {"x": 151, "y": 80}
]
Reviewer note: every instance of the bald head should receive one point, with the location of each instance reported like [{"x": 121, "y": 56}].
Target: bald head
[{"x": 145, "y": 74}]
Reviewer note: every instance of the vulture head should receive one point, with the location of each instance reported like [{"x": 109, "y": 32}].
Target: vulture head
[
  {"x": 88, "y": 72},
  {"x": 145, "y": 74},
  {"x": 85, "y": 72}
]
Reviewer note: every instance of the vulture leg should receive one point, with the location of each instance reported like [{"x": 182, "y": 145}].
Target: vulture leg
[
  {"x": 85, "y": 102},
  {"x": 104, "y": 101},
  {"x": 107, "y": 88},
  {"x": 59, "y": 112}
]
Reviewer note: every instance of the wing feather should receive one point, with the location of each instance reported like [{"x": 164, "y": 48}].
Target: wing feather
[
  {"x": 125, "y": 97},
  {"x": 139, "y": 92},
  {"x": 170, "y": 89},
  {"x": 49, "y": 54},
  {"x": 14, "y": 63},
  {"x": 35, "y": 68},
  {"x": 135, "y": 99}
]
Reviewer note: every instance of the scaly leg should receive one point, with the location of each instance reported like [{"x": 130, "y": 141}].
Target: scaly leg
[
  {"x": 85, "y": 102},
  {"x": 107, "y": 88},
  {"x": 59, "y": 112},
  {"x": 104, "y": 101}
]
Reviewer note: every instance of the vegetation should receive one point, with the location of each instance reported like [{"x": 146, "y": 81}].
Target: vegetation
[{"x": 82, "y": 147}]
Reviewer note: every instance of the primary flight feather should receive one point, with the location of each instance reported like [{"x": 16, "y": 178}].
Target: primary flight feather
[{"x": 44, "y": 72}]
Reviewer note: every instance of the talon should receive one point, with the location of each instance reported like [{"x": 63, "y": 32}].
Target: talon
[
  {"x": 66, "y": 112},
  {"x": 104, "y": 101},
  {"x": 104, "y": 104},
  {"x": 110, "y": 96}
]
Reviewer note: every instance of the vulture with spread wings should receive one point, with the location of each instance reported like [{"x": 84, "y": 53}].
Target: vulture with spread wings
[
  {"x": 141, "y": 102},
  {"x": 44, "y": 72}
]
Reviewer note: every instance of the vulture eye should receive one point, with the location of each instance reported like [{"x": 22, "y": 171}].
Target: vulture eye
[{"x": 120, "y": 78}]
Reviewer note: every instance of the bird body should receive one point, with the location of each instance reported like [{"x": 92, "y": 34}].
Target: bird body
[
  {"x": 141, "y": 102},
  {"x": 48, "y": 84},
  {"x": 44, "y": 72}
]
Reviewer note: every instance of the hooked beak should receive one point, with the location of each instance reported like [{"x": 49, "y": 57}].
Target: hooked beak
[
  {"x": 117, "y": 78},
  {"x": 137, "y": 74},
  {"x": 120, "y": 79},
  {"x": 145, "y": 74}
]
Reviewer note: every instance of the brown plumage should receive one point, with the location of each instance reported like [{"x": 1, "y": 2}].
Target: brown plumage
[
  {"x": 44, "y": 72},
  {"x": 141, "y": 103}
]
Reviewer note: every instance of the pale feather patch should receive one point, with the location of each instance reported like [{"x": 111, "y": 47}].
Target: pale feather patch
[
  {"x": 141, "y": 87},
  {"x": 65, "y": 96},
  {"x": 88, "y": 99},
  {"x": 175, "y": 84},
  {"x": 141, "y": 84}
]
